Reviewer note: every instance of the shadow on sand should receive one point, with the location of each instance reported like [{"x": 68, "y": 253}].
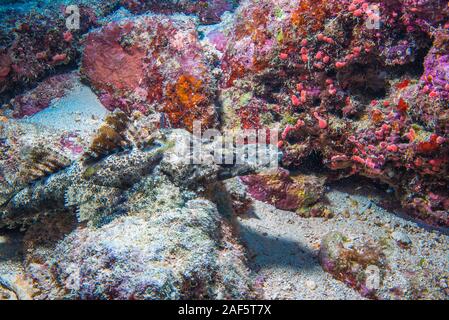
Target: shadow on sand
[{"x": 267, "y": 251}]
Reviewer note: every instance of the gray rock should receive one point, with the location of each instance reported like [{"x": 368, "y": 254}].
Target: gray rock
[{"x": 177, "y": 254}]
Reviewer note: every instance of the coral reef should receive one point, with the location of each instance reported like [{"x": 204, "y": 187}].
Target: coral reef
[
  {"x": 38, "y": 42},
  {"x": 208, "y": 11},
  {"x": 41, "y": 97},
  {"x": 35, "y": 41}
]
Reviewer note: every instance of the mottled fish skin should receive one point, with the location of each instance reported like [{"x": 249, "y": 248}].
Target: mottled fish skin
[
  {"x": 6, "y": 192},
  {"x": 121, "y": 171},
  {"x": 49, "y": 193}
]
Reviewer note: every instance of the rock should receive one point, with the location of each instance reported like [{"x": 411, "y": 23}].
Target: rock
[
  {"x": 311, "y": 284},
  {"x": 36, "y": 41},
  {"x": 41, "y": 97},
  {"x": 287, "y": 192},
  {"x": 169, "y": 255}
]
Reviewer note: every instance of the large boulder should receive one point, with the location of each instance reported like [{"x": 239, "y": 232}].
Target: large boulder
[
  {"x": 177, "y": 254},
  {"x": 152, "y": 63},
  {"x": 359, "y": 85}
]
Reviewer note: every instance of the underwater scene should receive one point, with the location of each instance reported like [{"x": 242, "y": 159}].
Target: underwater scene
[{"x": 224, "y": 150}]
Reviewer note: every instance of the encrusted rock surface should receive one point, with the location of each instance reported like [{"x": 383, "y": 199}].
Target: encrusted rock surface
[
  {"x": 152, "y": 63},
  {"x": 173, "y": 254},
  {"x": 350, "y": 91},
  {"x": 298, "y": 193}
]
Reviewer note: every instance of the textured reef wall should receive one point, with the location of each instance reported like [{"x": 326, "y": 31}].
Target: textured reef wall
[
  {"x": 369, "y": 101},
  {"x": 35, "y": 41},
  {"x": 208, "y": 11}
]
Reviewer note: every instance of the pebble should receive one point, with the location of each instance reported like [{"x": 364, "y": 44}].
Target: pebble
[
  {"x": 401, "y": 238},
  {"x": 311, "y": 284}
]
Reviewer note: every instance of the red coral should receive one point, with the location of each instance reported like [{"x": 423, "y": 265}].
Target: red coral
[{"x": 403, "y": 84}]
